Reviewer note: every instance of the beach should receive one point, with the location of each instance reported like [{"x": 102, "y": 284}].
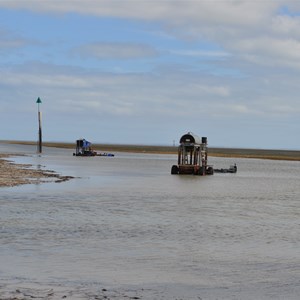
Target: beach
[
  {"x": 23, "y": 291},
  {"x": 12, "y": 174}
]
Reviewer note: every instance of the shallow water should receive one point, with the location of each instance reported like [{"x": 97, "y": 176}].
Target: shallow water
[{"x": 125, "y": 221}]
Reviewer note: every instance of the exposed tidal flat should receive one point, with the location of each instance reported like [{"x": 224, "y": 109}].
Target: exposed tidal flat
[
  {"x": 12, "y": 174},
  {"x": 125, "y": 228},
  {"x": 275, "y": 154}
]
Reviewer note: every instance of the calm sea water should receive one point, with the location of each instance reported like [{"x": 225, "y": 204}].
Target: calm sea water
[{"x": 125, "y": 221}]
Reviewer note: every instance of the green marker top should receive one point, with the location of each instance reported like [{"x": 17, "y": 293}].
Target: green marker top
[{"x": 38, "y": 100}]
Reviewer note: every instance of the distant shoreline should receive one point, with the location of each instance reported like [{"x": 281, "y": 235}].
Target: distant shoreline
[{"x": 291, "y": 155}]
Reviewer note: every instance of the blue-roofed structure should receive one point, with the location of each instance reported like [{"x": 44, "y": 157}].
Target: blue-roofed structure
[{"x": 84, "y": 148}]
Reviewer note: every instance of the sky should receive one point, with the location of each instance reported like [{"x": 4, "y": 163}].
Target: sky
[{"x": 149, "y": 71}]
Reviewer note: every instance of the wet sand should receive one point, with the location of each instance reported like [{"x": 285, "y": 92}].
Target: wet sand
[
  {"x": 28, "y": 291},
  {"x": 12, "y": 174}
]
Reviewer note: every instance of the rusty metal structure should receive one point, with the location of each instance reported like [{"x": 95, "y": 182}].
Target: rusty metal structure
[{"x": 192, "y": 156}]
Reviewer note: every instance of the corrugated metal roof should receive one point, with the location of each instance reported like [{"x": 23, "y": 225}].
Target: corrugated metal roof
[{"x": 190, "y": 138}]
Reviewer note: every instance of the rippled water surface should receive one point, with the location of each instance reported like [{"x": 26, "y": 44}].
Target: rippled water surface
[{"x": 125, "y": 220}]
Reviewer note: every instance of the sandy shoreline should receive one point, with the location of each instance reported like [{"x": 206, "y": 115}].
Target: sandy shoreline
[
  {"x": 12, "y": 174},
  {"x": 26, "y": 291}
]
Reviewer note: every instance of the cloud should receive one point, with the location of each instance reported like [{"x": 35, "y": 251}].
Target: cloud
[
  {"x": 222, "y": 62},
  {"x": 9, "y": 41},
  {"x": 134, "y": 94},
  {"x": 283, "y": 25},
  {"x": 174, "y": 100},
  {"x": 201, "y": 53},
  {"x": 177, "y": 13},
  {"x": 116, "y": 51},
  {"x": 271, "y": 51},
  {"x": 254, "y": 29},
  {"x": 217, "y": 12}
]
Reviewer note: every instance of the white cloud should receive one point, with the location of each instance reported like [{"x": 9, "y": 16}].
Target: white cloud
[
  {"x": 272, "y": 52},
  {"x": 230, "y": 12},
  {"x": 254, "y": 27},
  {"x": 283, "y": 25},
  {"x": 201, "y": 53},
  {"x": 44, "y": 80},
  {"x": 256, "y": 41}
]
